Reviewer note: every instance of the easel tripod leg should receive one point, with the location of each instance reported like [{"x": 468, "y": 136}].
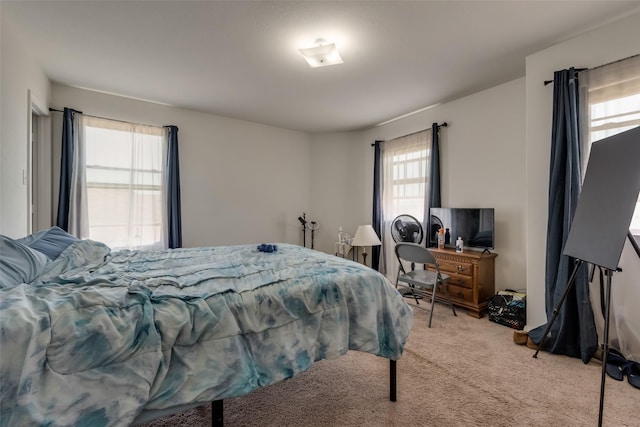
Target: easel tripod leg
[
  {"x": 605, "y": 345},
  {"x": 572, "y": 279}
]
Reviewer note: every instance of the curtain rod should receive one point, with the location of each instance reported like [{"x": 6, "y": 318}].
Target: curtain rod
[
  {"x": 577, "y": 70},
  {"x": 105, "y": 118},
  {"x": 546, "y": 82},
  {"x": 442, "y": 125}
]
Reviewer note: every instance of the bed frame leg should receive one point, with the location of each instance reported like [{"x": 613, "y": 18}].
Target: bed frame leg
[
  {"x": 217, "y": 414},
  {"x": 392, "y": 380}
]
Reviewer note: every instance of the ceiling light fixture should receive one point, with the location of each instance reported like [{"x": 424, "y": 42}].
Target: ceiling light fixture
[{"x": 323, "y": 54}]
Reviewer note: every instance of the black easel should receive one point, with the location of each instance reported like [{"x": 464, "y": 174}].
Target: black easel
[
  {"x": 597, "y": 235},
  {"x": 605, "y": 344}
]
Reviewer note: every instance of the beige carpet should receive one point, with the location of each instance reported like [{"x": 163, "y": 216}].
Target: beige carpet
[{"x": 461, "y": 372}]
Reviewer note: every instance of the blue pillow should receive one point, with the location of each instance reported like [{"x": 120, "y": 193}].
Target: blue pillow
[
  {"x": 51, "y": 242},
  {"x": 18, "y": 263},
  {"x": 30, "y": 238}
]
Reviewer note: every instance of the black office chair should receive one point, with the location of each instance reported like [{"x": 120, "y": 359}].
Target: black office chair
[{"x": 421, "y": 280}]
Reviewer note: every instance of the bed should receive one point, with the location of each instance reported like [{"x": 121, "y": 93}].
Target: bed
[{"x": 96, "y": 337}]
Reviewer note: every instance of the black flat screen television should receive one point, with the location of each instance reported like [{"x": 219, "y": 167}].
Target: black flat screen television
[{"x": 474, "y": 225}]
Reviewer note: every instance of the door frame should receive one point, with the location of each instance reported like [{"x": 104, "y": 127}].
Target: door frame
[{"x": 38, "y": 173}]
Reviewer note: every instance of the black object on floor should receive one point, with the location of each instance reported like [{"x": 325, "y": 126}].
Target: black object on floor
[
  {"x": 633, "y": 373},
  {"x": 616, "y": 363}
]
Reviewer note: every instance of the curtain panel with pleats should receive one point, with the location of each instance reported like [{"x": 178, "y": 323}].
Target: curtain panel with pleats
[
  {"x": 376, "y": 216},
  {"x": 66, "y": 167},
  {"x": 173, "y": 202},
  {"x": 573, "y": 332},
  {"x": 434, "y": 200}
]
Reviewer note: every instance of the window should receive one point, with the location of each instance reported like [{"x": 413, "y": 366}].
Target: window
[
  {"x": 612, "y": 117},
  {"x": 612, "y": 97},
  {"x": 124, "y": 173},
  {"x": 404, "y": 186},
  {"x": 409, "y": 183}
]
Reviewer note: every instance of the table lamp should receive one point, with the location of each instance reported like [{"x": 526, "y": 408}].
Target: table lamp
[{"x": 365, "y": 236}]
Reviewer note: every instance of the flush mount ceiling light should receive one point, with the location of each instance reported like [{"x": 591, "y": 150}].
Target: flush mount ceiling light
[{"x": 323, "y": 54}]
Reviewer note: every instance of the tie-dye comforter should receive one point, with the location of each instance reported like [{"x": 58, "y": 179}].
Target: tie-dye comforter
[{"x": 100, "y": 337}]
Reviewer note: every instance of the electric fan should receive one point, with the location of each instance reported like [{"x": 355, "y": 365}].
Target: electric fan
[{"x": 405, "y": 228}]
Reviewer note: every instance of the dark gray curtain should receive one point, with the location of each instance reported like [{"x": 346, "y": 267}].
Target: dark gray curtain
[
  {"x": 377, "y": 205},
  {"x": 434, "y": 178},
  {"x": 174, "y": 213},
  {"x": 573, "y": 333},
  {"x": 66, "y": 169}
]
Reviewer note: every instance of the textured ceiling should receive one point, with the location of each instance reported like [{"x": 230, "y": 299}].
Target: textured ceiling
[{"x": 240, "y": 58}]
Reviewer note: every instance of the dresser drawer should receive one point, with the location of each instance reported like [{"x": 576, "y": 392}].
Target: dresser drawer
[
  {"x": 456, "y": 292},
  {"x": 449, "y": 266},
  {"x": 460, "y": 280}
]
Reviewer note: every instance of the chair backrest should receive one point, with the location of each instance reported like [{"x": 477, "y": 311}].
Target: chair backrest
[{"x": 415, "y": 253}]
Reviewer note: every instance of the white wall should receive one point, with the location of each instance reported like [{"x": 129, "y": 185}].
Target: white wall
[
  {"x": 482, "y": 163},
  {"x": 19, "y": 74},
  {"x": 604, "y": 45},
  {"x": 340, "y": 194},
  {"x": 241, "y": 182}
]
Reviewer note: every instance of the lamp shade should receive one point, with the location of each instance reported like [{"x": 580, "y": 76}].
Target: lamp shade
[{"x": 366, "y": 236}]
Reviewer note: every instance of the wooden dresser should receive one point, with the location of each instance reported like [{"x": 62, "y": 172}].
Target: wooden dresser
[{"x": 472, "y": 281}]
